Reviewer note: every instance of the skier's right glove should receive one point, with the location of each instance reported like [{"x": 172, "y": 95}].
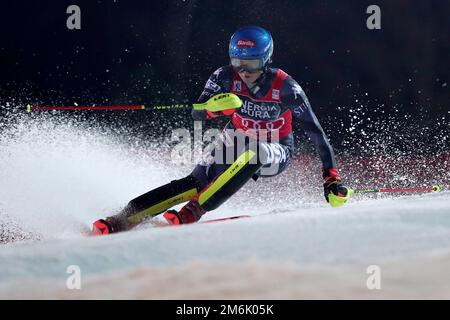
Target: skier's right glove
[{"x": 335, "y": 192}]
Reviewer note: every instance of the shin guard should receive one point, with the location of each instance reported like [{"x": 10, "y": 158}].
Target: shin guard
[
  {"x": 160, "y": 199},
  {"x": 230, "y": 181}
]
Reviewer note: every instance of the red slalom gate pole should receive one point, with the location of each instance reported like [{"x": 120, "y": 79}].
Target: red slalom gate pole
[
  {"x": 391, "y": 190},
  {"x": 50, "y": 108}
]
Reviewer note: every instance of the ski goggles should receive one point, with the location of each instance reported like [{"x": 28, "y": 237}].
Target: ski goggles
[{"x": 249, "y": 65}]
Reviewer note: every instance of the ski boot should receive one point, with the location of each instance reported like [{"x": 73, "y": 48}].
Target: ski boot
[
  {"x": 190, "y": 213},
  {"x": 101, "y": 227},
  {"x": 108, "y": 226}
]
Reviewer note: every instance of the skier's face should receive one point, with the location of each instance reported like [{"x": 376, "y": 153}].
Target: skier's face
[
  {"x": 248, "y": 69},
  {"x": 249, "y": 78}
]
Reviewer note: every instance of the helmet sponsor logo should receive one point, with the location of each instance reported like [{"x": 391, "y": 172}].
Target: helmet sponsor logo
[{"x": 246, "y": 43}]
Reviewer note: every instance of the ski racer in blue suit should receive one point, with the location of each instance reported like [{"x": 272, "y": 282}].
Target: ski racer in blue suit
[{"x": 257, "y": 141}]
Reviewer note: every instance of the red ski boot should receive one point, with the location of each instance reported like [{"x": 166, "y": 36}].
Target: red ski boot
[
  {"x": 101, "y": 227},
  {"x": 190, "y": 213}
]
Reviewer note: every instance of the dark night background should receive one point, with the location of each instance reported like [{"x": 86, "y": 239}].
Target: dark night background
[{"x": 161, "y": 53}]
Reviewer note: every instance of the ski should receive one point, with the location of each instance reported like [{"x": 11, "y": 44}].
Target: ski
[{"x": 165, "y": 224}]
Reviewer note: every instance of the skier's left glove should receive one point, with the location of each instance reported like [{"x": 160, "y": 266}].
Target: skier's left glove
[{"x": 335, "y": 192}]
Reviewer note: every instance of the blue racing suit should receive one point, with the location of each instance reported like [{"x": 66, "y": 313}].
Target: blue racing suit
[{"x": 269, "y": 106}]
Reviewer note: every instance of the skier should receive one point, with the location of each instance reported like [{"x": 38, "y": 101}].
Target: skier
[{"x": 270, "y": 99}]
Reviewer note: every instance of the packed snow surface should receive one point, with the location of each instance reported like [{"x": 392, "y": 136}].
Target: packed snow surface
[{"x": 56, "y": 180}]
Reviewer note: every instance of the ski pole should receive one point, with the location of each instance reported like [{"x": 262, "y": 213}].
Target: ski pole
[
  {"x": 219, "y": 102},
  {"x": 50, "y": 108},
  {"x": 135, "y": 107},
  {"x": 391, "y": 190}
]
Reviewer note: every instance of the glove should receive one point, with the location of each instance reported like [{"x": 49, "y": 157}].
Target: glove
[{"x": 335, "y": 192}]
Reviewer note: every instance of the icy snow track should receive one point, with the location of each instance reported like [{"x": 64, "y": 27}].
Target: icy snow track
[
  {"x": 367, "y": 230},
  {"x": 365, "y": 233},
  {"x": 54, "y": 188}
]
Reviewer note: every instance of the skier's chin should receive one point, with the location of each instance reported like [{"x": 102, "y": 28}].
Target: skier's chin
[{"x": 249, "y": 78}]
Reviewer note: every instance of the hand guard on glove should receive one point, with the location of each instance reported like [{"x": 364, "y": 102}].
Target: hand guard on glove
[
  {"x": 206, "y": 114},
  {"x": 227, "y": 112},
  {"x": 335, "y": 192}
]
